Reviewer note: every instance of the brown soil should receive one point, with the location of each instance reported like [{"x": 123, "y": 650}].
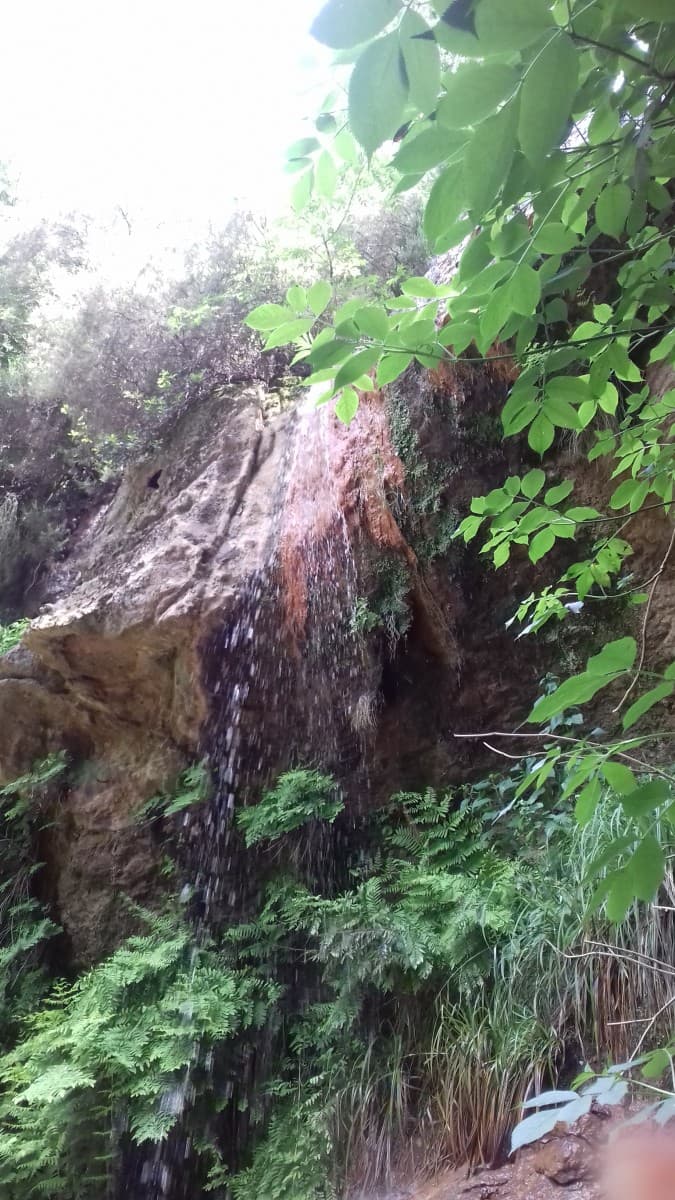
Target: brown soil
[{"x": 598, "y": 1158}]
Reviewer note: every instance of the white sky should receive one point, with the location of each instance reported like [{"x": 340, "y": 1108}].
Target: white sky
[{"x": 172, "y": 109}]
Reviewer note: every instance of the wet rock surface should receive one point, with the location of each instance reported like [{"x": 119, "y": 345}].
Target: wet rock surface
[{"x": 208, "y": 609}]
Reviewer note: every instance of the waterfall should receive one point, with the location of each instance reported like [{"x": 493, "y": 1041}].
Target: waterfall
[{"x": 286, "y": 672}]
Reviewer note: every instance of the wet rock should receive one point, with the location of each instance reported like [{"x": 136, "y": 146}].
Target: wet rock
[
  {"x": 111, "y": 669},
  {"x": 563, "y": 1158}
]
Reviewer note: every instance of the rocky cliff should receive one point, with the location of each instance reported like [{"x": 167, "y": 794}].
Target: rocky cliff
[{"x": 270, "y": 588}]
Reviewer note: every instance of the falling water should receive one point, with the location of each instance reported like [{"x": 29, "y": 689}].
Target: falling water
[{"x": 287, "y": 676}]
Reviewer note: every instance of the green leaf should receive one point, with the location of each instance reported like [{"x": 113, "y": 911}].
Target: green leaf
[
  {"x": 583, "y": 513},
  {"x": 507, "y": 238},
  {"x": 326, "y": 175},
  {"x": 560, "y": 412},
  {"x": 560, "y": 492},
  {"x": 619, "y": 777},
  {"x": 345, "y": 23},
  {"x": 378, "y": 91},
  {"x": 347, "y": 406},
  {"x": 647, "y": 868},
  {"x": 296, "y": 298},
  {"x": 620, "y": 897},
  {"x": 488, "y": 158},
  {"x": 496, "y": 314},
  {"x": 615, "y": 657},
  {"x": 501, "y": 27},
  {"x": 587, "y": 802},
  {"x": 419, "y": 287},
  {"x": 609, "y": 399},
  {"x": 638, "y": 709},
  {"x": 445, "y": 204},
  {"x": 319, "y": 297},
  {"x": 346, "y": 148},
  {"x": 646, "y": 798},
  {"x": 422, "y": 61},
  {"x": 612, "y": 208},
  {"x": 302, "y": 148},
  {"x": 541, "y": 434},
  {"x": 425, "y": 150},
  {"x": 520, "y": 410},
  {"x": 657, "y": 1063},
  {"x": 329, "y": 354},
  {"x": 391, "y": 366},
  {"x": 473, "y": 93},
  {"x": 533, "y": 482},
  {"x": 301, "y": 191},
  {"x": 576, "y": 690},
  {"x": 625, "y": 492},
  {"x": 268, "y": 316},
  {"x": 554, "y": 238},
  {"x": 283, "y": 335},
  {"x": 548, "y": 90},
  {"x": 664, "y": 349},
  {"x": 524, "y": 289},
  {"x": 373, "y": 321},
  {"x": 457, "y": 335},
  {"x": 359, "y": 364},
  {"x": 541, "y": 543}
]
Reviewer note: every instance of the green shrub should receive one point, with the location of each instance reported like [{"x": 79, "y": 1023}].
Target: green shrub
[
  {"x": 299, "y": 796},
  {"x": 116, "y": 1043}
]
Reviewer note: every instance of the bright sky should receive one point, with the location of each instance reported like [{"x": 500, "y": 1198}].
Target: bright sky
[{"x": 172, "y": 109}]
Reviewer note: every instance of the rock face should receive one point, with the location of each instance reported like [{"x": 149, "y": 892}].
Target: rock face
[
  {"x": 111, "y": 670},
  {"x": 214, "y": 608}
]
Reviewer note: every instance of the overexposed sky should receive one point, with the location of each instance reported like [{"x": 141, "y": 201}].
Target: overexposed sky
[{"x": 172, "y": 110}]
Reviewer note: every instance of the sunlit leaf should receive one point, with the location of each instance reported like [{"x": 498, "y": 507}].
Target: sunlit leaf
[
  {"x": 345, "y": 23},
  {"x": 547, "y": 93},
  {"x": 422, "y": 61},
  {"x": 378, "y": 91}
]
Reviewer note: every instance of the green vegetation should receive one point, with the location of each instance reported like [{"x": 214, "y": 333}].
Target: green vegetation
[
  {"x": 299, "y": 796},
  {"x": 413, "y": 994},
  {"x": 11, "y": 635},
  {"x": 421, "y": 976},
  {"x": 193, "y": 786},
  {"x": 541, "y": 135},
  {"x": 387, "y": 609}
]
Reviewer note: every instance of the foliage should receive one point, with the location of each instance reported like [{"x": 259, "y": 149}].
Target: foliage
[
  {"x": 299, "y": 796},
  {"x": 454, "y": 978},
  {"x": 388, "y": 608},
  {"x": 11, "y": 635},
  {"x": 294, "y": 1161},
  {"x": 610, "y": 1087},
  {"x": 413, "y": 1001},
  {"x": 119, "y": 1041},
  {"x": 24, "y": 926},
  {"x": 193, "y": 786},
  {"x": 545, "y": 132}
]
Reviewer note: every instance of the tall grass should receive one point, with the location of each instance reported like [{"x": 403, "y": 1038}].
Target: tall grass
[{"x": 564, "y": 988}]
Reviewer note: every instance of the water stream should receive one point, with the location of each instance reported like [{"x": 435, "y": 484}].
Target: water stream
[{"x": 286, "y": 676}]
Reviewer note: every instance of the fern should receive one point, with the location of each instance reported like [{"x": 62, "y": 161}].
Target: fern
[
  {"x": 428, "y": 831},
  {"x": 299, "y": 796},
  {"x": 294, "y": 1161},
  {"x": 125, "y": 1030},
  {"x": 11, "y": 635},
  {"x": 193, "y": 786}
]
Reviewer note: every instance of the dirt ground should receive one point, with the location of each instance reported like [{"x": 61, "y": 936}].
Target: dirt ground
[{"x": 598, "y": 1158}]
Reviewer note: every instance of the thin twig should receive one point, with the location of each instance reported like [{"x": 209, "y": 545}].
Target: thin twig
[
  {"x": 651, "y": 1024},
  {"x": 559, "y": 737},
  {"x": 643, "y": 639}
]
